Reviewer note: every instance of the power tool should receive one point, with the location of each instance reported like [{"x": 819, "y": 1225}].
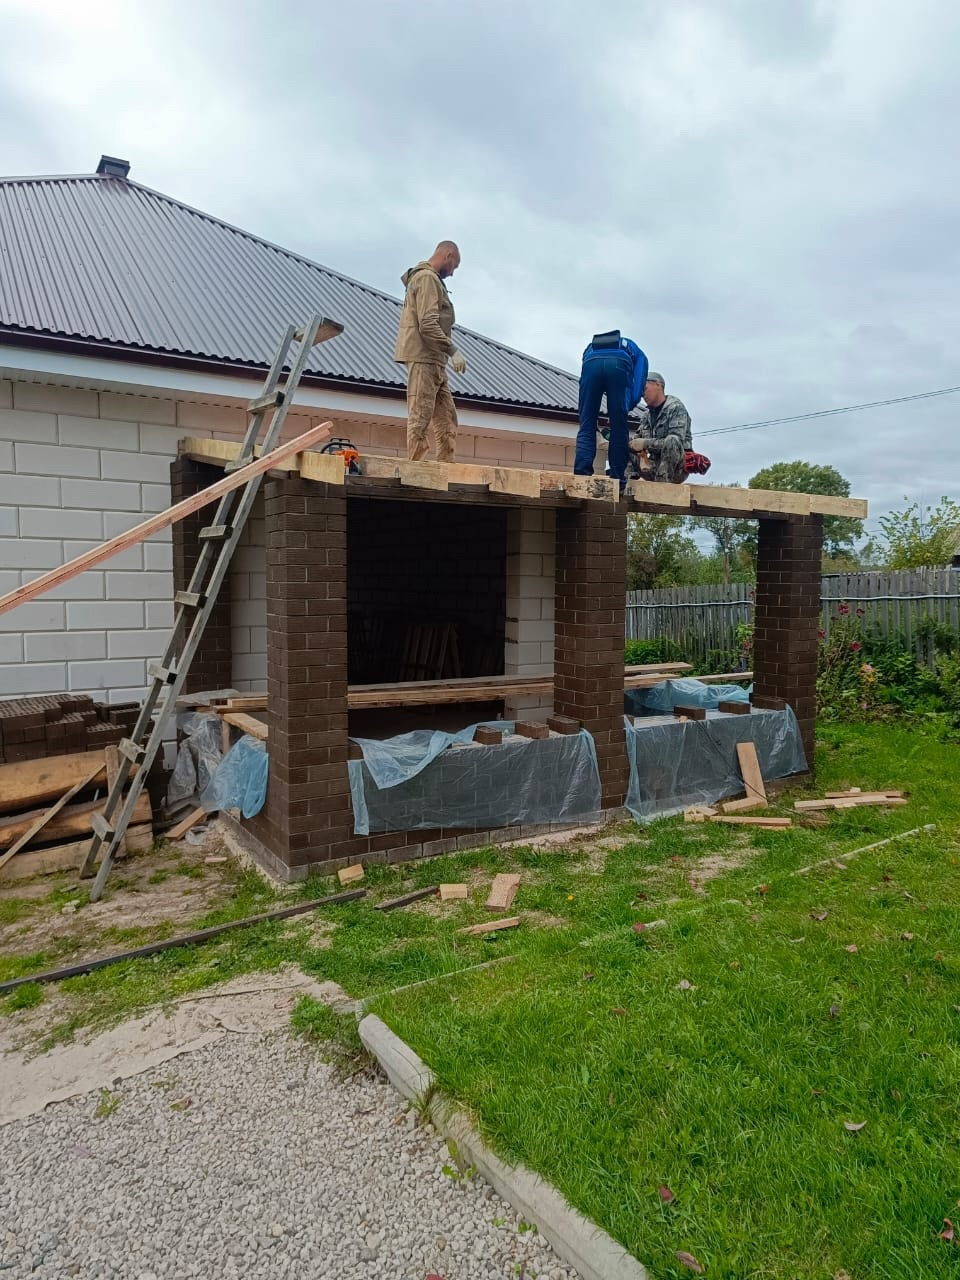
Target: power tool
[{"x": 348, "y": 451}]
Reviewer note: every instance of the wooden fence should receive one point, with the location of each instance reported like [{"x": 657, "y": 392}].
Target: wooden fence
[{"x": 701, "y": 622}]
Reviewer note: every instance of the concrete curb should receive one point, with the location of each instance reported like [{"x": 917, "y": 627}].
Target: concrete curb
[{"x": 578, "y": 1241}]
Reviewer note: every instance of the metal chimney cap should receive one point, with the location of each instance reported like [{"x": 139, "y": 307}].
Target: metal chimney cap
[{"x": 111, "y": 167}]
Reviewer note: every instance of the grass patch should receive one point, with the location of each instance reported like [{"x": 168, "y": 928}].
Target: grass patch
[
  {"x": 26, "y": 997},
  {"x": 14, "y": 909}
]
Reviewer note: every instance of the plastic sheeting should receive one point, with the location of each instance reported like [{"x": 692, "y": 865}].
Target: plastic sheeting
[
  {"x": 454, "y": 783},
  {"x": 673, "y": 765},
  {"x": 240, "y": 780},
  {"x": 198, "y": 756},
  {"x": 689, "y": 692}
]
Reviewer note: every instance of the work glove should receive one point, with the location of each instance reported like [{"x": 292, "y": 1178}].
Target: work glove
[{"x": 457, "y": 362}]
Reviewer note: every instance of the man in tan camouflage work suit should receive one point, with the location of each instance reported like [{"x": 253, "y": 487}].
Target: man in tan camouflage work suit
[
  {"x": 664, "y": 435},
  {"x": 424, "y": 346}
]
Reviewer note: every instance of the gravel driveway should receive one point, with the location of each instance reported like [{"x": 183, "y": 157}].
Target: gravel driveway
[{"x": 248, "y": 1158}]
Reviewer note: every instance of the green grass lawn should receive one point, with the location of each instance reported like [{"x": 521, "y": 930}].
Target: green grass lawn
[{"x": 721, "y": 1055}]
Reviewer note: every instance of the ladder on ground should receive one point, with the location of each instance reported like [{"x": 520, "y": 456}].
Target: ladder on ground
[{"x": 194, "y": 606}]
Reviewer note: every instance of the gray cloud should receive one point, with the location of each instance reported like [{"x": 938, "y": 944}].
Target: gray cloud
[{"x": 763, "y": 193}]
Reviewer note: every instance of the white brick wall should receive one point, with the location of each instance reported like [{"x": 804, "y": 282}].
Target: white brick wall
[
  {"x": 248, "y": 607},
  {"x": 76, "y": 467},
  {"x": 531, "y": 576}
]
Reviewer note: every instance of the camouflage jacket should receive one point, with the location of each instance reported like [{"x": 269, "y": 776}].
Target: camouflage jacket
[{"x": 672, "y": 419}]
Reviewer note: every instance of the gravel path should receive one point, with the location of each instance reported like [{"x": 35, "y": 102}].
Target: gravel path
[{"x": 248, "y": 1159}]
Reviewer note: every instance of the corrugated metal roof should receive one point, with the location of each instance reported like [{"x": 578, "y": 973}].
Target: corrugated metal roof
[{"x": 107, "y": 260}]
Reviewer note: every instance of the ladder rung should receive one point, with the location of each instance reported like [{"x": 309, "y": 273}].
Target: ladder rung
[
  {"x": 216, "y": 533},
  {"x": 270, "y": 401},
  {"x": 166, "y": 675},
  {"x": 191, "y": 599},
  {"x": 132, "y": 751},
  {"x": 101, "y": 827}
]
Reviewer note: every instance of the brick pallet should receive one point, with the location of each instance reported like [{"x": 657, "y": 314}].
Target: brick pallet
[{"x": 61, "y": 724}]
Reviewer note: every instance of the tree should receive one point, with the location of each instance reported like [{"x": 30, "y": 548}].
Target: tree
[
  {"x": 920, "y": 536},
  {"x": 839, "y": 532},
  {"x": 736, "y": 548},
  {"x": 660, "y": 553}
]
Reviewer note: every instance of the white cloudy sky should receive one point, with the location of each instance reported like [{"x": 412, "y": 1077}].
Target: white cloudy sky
[{"x": 763, "y": 193}]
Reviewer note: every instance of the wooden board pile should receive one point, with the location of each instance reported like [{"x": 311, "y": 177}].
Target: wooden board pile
[
  {"x": 47, "y": 807},
  {"x": 59, "y": 724}
]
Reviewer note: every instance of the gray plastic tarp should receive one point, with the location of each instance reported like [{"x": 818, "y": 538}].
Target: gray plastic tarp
[
  {"x": 674, "y": 764},
  {"x": 427, "y": 782}
]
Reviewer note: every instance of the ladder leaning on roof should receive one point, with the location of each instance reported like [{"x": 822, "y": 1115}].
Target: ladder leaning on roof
[{"x": 194, "y": 606}]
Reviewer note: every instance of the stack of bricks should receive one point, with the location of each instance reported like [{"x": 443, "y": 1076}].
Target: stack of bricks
[
  {"x": 60, "y": 724},
  {"x": 787, "y": 620},
  {"x": 212, "y": 665},
  {"x": 590, "y": 626}
]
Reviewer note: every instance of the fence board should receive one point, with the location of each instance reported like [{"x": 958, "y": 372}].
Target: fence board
[{"x": 703, "y": 621}]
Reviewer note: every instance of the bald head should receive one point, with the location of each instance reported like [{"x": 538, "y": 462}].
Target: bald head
[{"x": 445, "y": 259}]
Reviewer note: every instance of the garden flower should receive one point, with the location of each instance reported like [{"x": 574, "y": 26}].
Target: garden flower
[
  {"x": 855, "y": 646},
  {"x": 843, "y": 610}
]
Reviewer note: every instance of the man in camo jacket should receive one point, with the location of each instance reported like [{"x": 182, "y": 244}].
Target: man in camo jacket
[{"x": 664, "y": 434}]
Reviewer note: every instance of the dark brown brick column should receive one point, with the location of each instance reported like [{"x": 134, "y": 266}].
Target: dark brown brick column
[
  {"x": 308, "y": 807},
  {"x": 787, "y": 619},
  {"x": 589, "y": 634},
  {"x": 212, "y": 667}
]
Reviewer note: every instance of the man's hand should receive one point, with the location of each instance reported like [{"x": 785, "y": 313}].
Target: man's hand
[
  {"x": 639, "y": 445},
  {"x": 457, "y": 362}
]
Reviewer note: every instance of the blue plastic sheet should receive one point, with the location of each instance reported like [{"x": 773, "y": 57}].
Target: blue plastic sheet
[
  {"x": 688, "y": 692},
  {"x": 240, "y": 779},
  {"x": 674, "y": 764},
  {"x": 423, "y": 780}
]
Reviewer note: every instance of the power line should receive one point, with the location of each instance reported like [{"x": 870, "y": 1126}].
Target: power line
[{"x": 826, "y": 413}]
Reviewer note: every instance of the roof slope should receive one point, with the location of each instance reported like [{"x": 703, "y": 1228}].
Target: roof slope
[{"x": 105, "y": 260}]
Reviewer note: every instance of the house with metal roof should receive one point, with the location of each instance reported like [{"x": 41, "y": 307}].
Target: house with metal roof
[{"x": 129, "y": 320}]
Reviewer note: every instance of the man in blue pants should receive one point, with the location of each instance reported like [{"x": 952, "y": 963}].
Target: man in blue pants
[{"x": 615, "y": 366}]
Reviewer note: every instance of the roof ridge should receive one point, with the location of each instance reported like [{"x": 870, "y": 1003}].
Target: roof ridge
[{"x": 278, "y": 248}]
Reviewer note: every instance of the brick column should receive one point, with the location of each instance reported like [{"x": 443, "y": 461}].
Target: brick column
[
  {"x": 787, "y": 619},
  {"x": 589, "y": 635},
  {"x": 212, "y": 667},
  {"x": 308, "y": 807},
  {"x": 531, "y": 576}
]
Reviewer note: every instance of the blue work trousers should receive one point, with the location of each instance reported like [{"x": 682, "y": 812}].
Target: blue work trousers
[{"x": 611, "y": 374}]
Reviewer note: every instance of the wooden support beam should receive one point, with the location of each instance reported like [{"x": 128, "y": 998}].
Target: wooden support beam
[
  {"x": 522, "y": 482},
  {"x": 327, "y": 468},
  {"x": 597, "y": 488},
  {"x": 246, "y": 724},
  {"x": 651, "y": 495},
  {"x": 419, "y": 475},
  {"x": 163, "y": 519}
]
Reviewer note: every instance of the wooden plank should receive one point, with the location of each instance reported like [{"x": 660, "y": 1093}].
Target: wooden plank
[
  {"x": 163, "y": 519},
  {"x": 655, "y": 495},
  {"x": 348, "y": 875},
  {"x": 780, "y": 500},
  {"x": 453, "y": 892},
  {"x": 32, "y": 782},
  {"x": 73, "y": 821},
  {"x": 327, "y": 468},
  {"x": 856, "y": 508},
  {"x": 39, "y": 823},
  {"x": 854, "y": 792},
  {"x": 750, "y": 770},
  {"x": 492, "y": 926},
  {"x": 247, "y": 724},
  {"x": 593, "y": 488},
  {"x": 502, "y": 892},
  {"x": 518, "y": 481},
  {"x": 698, "y": 813},
  {"x": 741, "y": 806},
  {"x": 190, "y": 821},
  {"x": 656, "y": 668},
  {"x": 772, "y": 824},
  {"x": 247, "y": 702},
  {"x": 406, "y": 898},
  {"x": 67, "y": 857},
  {"x": 852, "y": 802},
  {"x": 420, "y": 475},
  {"x": 111, "y": 756}
]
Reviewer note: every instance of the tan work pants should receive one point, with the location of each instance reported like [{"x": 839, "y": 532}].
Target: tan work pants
[{"x": 430, "y": 407}]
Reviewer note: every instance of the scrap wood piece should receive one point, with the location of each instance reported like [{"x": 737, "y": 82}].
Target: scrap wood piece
[
  {"x": 246, "y": 724},
  {"x": 68, "y": 856},
  {"x": 750, "y": 770},
  {"x": 190, "y": 821},
  {"x": 163, "y": 519},
  {"x": 347, "y": 875},
  {"x": 54, "y": 809},
  {"x": 850, "y": 802},
  {"x": 502, "y": 892},
  {"x": 698, "y": 813},
  {"x": 742, "y": 806},
  {"x": 72, "y": 821},
  {"x": 655, "y": 668},
  {"x": 453, "y": 892},
  {"x": 491, "y": 926},
  {"x": 247, "y": 702},
  {"x": 855, "y": 793},
  {"x": 406, "y": 898},
  {"x": 774, "y": 824}
]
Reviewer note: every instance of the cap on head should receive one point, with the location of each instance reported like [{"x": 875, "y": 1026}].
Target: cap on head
[{"x": 657, "y": 377}]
